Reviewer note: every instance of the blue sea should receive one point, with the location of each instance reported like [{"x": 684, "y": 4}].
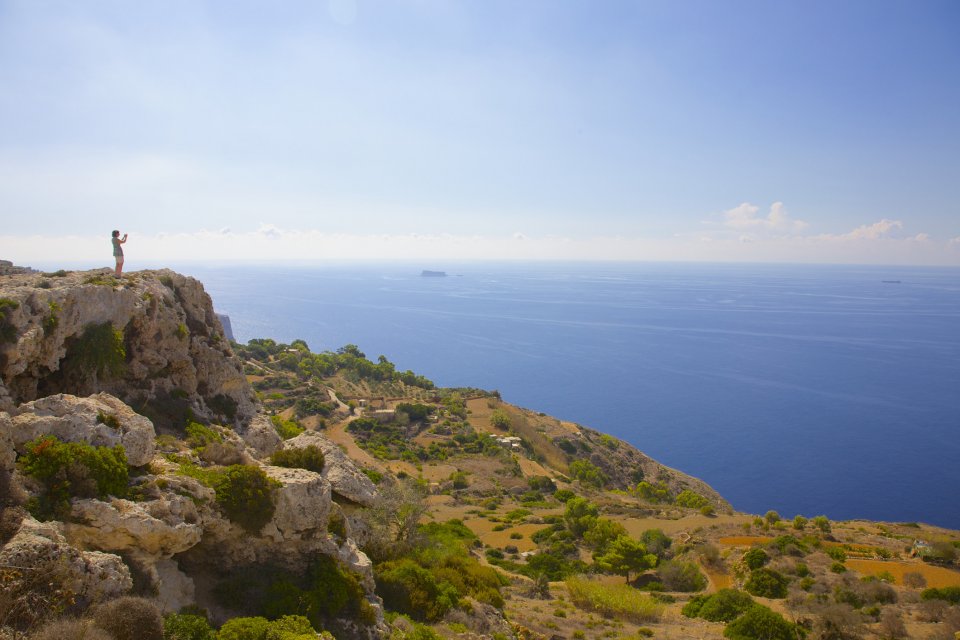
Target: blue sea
[{"x": 809, "y": 390}]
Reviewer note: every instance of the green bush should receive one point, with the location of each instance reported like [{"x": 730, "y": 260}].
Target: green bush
[
  {"x": 655, "y": 493},
  {"x": 407, "y": 587},
  {"x": 199, "y": 436},
  {"x": 950, "y": 594},
  {"x": 322, "y": 592},
  {"x": 180, "y": 626},
  {"x": 690, "y": 500},
  {"x": 723, "y": 606},
  {"x": 72, "y": 469},
  {"x": 767, "y": 583},
  {"x": 837, "y": 553},
  {"x": 245, "y": 494},
  {"x": 500, "y": 419},
  {"x": 415, "y": 411},
  {"x": 244, "y": 629},
  {"x": 759, "y": 622},
  {"x": 681, "y": 576},
  {"x": 99, "y": 350},
  {"x": 588, "y": 473},
  {"x": 286, "y": 429},
  {"x": 755, "y": 558},
  {"x": 8, "y": 332},
  {"x": 309, "y": 458}
]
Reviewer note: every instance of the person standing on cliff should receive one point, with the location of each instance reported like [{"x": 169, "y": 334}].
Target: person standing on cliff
[{"x": 118, "y": 251}]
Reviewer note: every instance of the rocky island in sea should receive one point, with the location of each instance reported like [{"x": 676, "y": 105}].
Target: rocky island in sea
[{"x": 158, "y": 479}]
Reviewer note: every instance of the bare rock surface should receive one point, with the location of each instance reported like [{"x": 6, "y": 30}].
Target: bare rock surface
[
  {"x": 91, "y": 575},
  {"x": 100, "y": 420},
  {"x": 174, "y": 353},
  {"x": 345, "y": 478},
  {"x": 302, "y": 504}
]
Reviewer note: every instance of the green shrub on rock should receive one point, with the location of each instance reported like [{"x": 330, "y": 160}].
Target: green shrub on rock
[
  {"x": 245, "y": 493},
  {"x": 72, "y": 469},
  {"x": 309, "y": 458}
]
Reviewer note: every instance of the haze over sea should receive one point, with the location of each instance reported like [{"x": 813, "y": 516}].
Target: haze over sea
[{"x": 804, "y": 389}]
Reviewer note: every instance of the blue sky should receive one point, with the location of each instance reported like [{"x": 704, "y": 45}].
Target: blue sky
[{"x": 747, "y": 131}]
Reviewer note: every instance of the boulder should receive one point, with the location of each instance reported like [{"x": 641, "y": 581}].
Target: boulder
[
  {"x": 149, "y": 530},
  {"x": 91, "y": 575},
  {"x": 99, "y": 420},
  {"x": 302, "y": 504},
  {"x": 346, "y": 480}
]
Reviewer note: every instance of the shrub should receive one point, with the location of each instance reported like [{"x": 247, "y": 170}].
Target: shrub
[
  {"x": 70, "y": 629},
  {"x": 755, "y": 558},
  {"x": 500, "y": 419},
  {"x": 108, "y": 419},
  {"x": 837, "y": 553},
  {"x": 244, "y": 629},
  {"x": 766, "y": 583},
  {"x": 799, "y": 522},
  {"x": 588, "y": 473},
  {"x": 99, "y": 351},
  {"x": 245, "y": 494},
  {"x": 691, "y": 500},
  {"x": 309, "y": 458},
  {"x": 950, "y": 594},
  {"x": 324, "y": 591},
  {"x": 129, "y": 618},
  {"x": 655, "y": 493},
  {"x": 761, "y": 622},
  {"x": 72, "y": 469},
  {"x": 564, "y": 495},
  {"x": 286, "y": 429},
  {"x": 407, "y": 587},
  {"x": 199, "y": 436},
  {"x": 723, "y": 606},
  {"x": 681, "y": 576},
  {"x": 8, "y": 332},
  {"x": 616, "y": 601},
  {"x": 181, "y": 626}
]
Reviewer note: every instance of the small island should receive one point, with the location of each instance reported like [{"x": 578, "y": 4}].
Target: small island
[{"x": 433, "y": 274}]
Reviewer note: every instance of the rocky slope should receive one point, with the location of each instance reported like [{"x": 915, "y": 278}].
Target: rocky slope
[{"x": 91, "y": 359}]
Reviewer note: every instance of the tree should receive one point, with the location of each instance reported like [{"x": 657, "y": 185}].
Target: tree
[
  {"x": 602, "y": 533},
  {"x": 580, "y": 515},
  {"x": 625, "y": 556},
  {"x": 392, "y": 521},
  {"x": 681, "y": 576}
]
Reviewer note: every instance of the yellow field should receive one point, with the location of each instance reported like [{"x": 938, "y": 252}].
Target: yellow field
[{"x": 935, "y": 576}]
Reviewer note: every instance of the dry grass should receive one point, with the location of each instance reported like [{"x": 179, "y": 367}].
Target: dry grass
[
  {"x": 935, "y": 576},
  {"x": 743, "y": 541},
  {"x": 617, "y": 600}
]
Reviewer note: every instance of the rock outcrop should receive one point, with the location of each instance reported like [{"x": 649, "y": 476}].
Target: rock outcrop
[
  {"x": 150, "y": 338},
  {"x": 100, "y": 420},
  {"x": 90, "y": 358},
  {"x": 346, "y": 480}
]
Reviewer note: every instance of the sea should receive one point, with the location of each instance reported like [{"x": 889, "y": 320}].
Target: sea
[{"x": 813, "y": 390}]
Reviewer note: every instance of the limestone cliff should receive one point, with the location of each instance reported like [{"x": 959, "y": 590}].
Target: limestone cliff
[{"x": 90, "y": 358}]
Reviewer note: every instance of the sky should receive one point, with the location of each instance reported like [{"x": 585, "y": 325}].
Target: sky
[{"x": 749, "y": 131}]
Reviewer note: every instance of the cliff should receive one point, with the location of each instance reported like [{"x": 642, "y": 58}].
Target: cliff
[{"x": 88, "y": 358}]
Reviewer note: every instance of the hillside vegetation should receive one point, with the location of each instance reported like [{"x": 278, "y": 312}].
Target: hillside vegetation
[{"x": 276, "y": 493}]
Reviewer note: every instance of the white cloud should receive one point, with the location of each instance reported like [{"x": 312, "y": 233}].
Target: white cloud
[
  {"x": 881, "y": 229},
  {"x": 744, "y": 216}
]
